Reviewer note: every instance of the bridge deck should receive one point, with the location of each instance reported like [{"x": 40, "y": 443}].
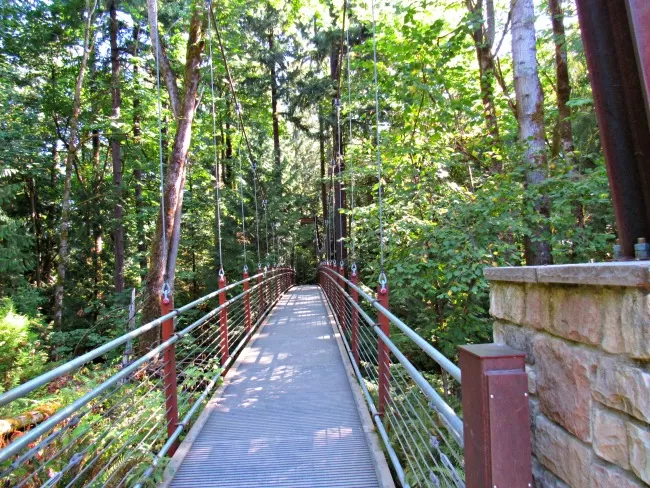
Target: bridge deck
[{"x": 287, "y": 415}]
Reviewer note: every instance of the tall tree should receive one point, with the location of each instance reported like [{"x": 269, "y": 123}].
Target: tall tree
[
  {"x": 274, "y": 99},
  {"x": 563, "y": 136},
  {"x": 71, "y": 154},
  {"x": 163, "y": 264},
  {"x": 483, "y": 31},
  {"x": 530, "y": 117},
  {"x": 116, "y": 99}
]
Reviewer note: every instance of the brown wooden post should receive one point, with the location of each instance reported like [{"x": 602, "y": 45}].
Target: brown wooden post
[
  {"x": 223, "y": 320},
  {"x": 355, "y": 315},
  {"x": 382, "y": 357},
  {"x": 496, "y": 418},
  {"x": 247, "y": 301},
  {"x": 169, "y": 366}
]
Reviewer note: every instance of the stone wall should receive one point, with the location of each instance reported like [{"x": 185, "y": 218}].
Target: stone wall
[{"x": 586, "y": 332}]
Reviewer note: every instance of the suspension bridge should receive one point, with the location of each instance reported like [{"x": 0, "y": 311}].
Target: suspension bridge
[{"x": 264, "y": 383}]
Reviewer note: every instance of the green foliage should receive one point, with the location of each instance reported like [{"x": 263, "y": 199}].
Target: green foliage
[{"x": 21, "y": 356}]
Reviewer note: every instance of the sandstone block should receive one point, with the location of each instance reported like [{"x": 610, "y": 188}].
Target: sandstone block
[
  {"x": 610, "y": 437},
  {"x": 576, "y": 313},
  {"x": 564, "y": 455},
  {"x": 544, "y": 478},
  {"x": 635, "y": 324},
  {"x": 532, "y": 379},
  {"x": 639, "y": 442},
  {"x": 516, "y": 337},
  {"x": 611, "y": 477},
  {"x": 537, "y": 312},
  {"x": 507, "y": 302},
  {"x": 564, "y": 381},
  {"x": 623, "y": 387}
]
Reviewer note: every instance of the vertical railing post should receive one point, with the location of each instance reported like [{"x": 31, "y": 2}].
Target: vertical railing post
[
  {"x": 382, "y": 352},
  {"x": 223, "y": 319},
  {"x": 260, "y": 292},
  {"x": 247, "y": 301},
  {"x": 355, "y": 315},
  {"x": 496, "y": 416},
  {"x": 169, "y": 365},
  {"x": 342, "y": 297}
]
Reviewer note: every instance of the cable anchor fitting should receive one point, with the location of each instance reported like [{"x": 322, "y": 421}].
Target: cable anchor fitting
[
  {"x": 383, "y": 280},
  {"x": 245, "y": 268},
  {"x": 222, "y": 274},
  {"x": 166, "y": 292},
  {"x": 354, "y": 269}
]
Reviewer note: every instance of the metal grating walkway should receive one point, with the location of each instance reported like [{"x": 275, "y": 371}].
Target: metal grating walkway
[{"x": 287, "y": 416}]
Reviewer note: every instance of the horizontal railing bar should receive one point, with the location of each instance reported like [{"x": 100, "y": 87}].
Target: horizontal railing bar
[
  {"x": 431, "y": 351},
  {"x": 450, "y": 417},
  {"x": 72, "y": 365},
  {"x": 371, "y": 404},
  {"x": 65, "y": 412},
  {"x": 183, "y": 424}
]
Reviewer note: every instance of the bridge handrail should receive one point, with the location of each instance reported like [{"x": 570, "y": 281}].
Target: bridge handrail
[
  {"x": 448, "y": 414},
  {"x": 74, "y": 364},
  {"x": 430, "y": 351},
  {"x": 267, "y": 291}
]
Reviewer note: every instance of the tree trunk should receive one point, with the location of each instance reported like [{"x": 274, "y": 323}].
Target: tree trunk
[
  {"x": 562, "y": 77},
  {"x": 72, "y": 148},
  {"x": 137, "y": 172},
  {"x": 530, "y": 117},
  {"x": 323, "y": 185},
  {"x": 38, "y": 228},
  {"x": 163, "y": 267},
  {"x": 337, "y": 153},
  {"x": 274, "y": 101},
  {"x": 483, "y": 36},
  {"x": 118, "y": 232}
]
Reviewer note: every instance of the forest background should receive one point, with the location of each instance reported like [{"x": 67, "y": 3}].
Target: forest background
[{"x": 489, "y": 148}]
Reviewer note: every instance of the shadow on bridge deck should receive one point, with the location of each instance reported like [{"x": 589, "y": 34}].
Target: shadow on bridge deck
[{"x": 286, "y": 415}]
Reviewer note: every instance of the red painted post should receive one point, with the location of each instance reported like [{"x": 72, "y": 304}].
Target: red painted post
[
  {"x": 382, "y": 356},
  {"x": 355, "y": 315},
  {"x": 247, "y": 301},
  {"x": 260, "y": 292},
  {"x": 223, "y": 320},
  {"x": 342, "y": 297},
  {"x": 169, "y": 367},
  {"x": 496, "y": 416}
]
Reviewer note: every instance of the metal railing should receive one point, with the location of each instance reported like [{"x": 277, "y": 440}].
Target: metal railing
[
  {"x": 112, "y": 422},
  {"x": 416, "y": 414}
]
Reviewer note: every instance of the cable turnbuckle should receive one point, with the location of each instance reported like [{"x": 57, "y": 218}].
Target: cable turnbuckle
[
  {"x": 166, "y": 292},
  {"x": 383, "y": 280},
  {"x": 222, "y": 274},
  {"x": 354, "y": 269},
  {"x": 246, "y": 268},
  {"x": 341, "y": 264}
]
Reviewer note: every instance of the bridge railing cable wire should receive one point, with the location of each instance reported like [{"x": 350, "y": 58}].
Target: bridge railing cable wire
[
  {"x": 421, "y": 424},
  {"x": 95, "y": 421}
]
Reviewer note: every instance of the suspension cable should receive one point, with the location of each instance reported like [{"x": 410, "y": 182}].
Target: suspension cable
[
  {"x": 243, "y": 212},
  {"x": 257, "y": 220},
  {"x": 160, "y": 147},
  {"x": 382, "y": 275},
  {"x": 265, "y": 204},
  {"x": 229, "y": 78},
  {"x": 349, "y": 160},
  {"x": 339, "y": 160},
  {"x": 214, "y": 144}
]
